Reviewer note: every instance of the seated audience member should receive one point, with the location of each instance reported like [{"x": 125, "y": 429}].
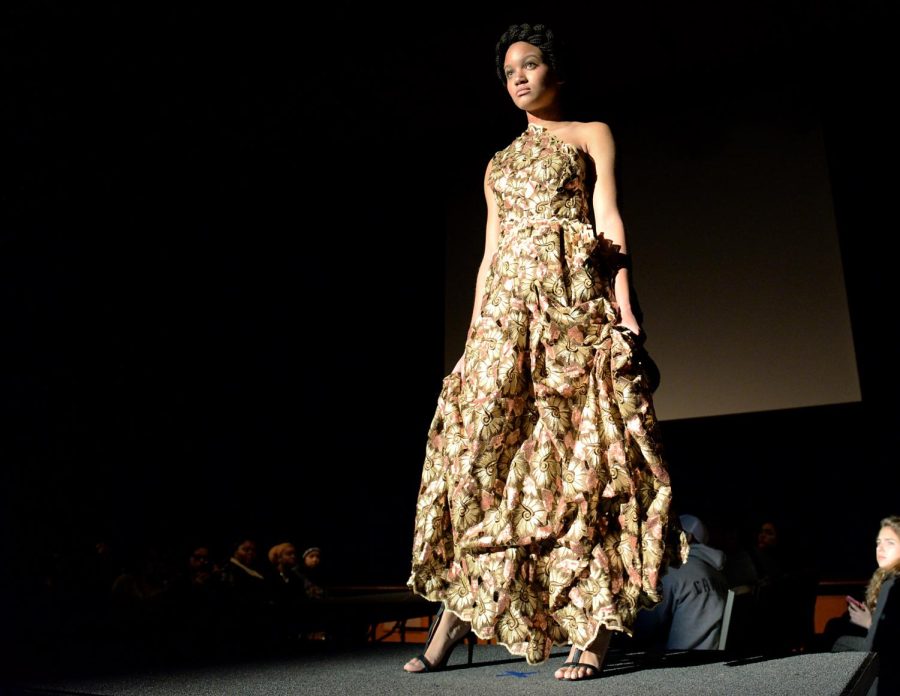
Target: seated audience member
[
  {"x": 191, "y": 603},
  {"x": 283, "y": 558},
  {"x": 784, "y": 585},
  {"x": 879, "y": 612},
  {"x": 245, "y": 599},
  {"x": 289, "y": 572},
  {"x": 690, "y": 614},
  {"x": 288, "y": 589},
  {"x": 195, "y": 579},
  {"x": 759, "y": 561},
  {"x": 239, "y": 573},
  {"x": 309, "y": 570}
]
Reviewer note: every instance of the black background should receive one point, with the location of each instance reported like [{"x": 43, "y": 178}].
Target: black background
[{"x": 222, "y": 265}]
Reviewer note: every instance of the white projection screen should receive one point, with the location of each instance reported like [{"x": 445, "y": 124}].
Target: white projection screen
[{"x": 736, "y": 263}]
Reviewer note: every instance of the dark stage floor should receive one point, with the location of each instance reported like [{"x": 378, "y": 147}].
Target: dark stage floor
[{"x": 376, "y": 669}]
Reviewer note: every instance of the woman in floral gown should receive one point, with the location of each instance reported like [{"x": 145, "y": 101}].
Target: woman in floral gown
[{"x": 543, "y": 511}]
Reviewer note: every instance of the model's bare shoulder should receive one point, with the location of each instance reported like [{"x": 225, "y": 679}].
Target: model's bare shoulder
[
  {"x": 594, "y": 131},
  {"x": 596, "y": 138}
]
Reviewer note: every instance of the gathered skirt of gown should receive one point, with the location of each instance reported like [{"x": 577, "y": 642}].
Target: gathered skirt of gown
[{"x": 543, "y": 512}]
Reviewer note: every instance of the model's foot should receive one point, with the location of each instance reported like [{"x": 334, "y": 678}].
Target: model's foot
[
  {"x": 589, "y": 663},
  {"x": 449, "y": 631}
]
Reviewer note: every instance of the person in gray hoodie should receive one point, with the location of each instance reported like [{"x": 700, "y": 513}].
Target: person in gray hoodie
[{"x": 690, "y": 614}]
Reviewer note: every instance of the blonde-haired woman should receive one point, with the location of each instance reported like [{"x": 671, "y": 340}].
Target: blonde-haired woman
[
  {"x": 880, "y": 611},
  {"x": 887, "y": 553}
]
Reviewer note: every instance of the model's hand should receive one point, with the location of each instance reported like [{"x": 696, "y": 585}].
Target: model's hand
[
  {"x": 629, "y": 321},
  {"x": 460, "y": 366},
  {"x": 860, "y": 615}
]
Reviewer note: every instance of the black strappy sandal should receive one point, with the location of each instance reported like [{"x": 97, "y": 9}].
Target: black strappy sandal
[
  {"x": 593, "y": 672},
  {"x": 469, "y": 637}
]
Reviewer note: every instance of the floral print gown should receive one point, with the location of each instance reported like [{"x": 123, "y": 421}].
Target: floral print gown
[{"x": 543, "y": 510}]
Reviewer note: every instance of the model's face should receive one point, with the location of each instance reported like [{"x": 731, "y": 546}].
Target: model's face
[
  {"x": 530, "y": 82},
  {"x": 887, "y": 547}
]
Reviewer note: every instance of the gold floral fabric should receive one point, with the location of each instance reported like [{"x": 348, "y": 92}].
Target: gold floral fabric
[{"x": 542, "y": 514}]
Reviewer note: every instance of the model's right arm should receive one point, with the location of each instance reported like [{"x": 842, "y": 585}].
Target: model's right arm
[
  {"x": 491, "y": 237},
  {"x": 491, "y": 241}
]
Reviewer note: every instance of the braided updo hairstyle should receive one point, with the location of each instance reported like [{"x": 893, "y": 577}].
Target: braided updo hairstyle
[{"x": 538, "y": 35}]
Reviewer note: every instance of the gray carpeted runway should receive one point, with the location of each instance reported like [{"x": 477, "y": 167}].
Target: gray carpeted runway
[{"x": 377, "y": 669}]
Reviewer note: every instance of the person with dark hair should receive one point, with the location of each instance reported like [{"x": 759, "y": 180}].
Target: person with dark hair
[
  {"x": 784, "y": 585},
  {"x": 543, "y": 511},
  {"x": 191, "y": 601},
  {"x": 310, "y": 566},
  {"x": 240, "y": 572},
  {"x": 245, "y": 598}
]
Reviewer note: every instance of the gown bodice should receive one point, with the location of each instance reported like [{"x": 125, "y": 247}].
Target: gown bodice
[{"x": 539, "y": 177}]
